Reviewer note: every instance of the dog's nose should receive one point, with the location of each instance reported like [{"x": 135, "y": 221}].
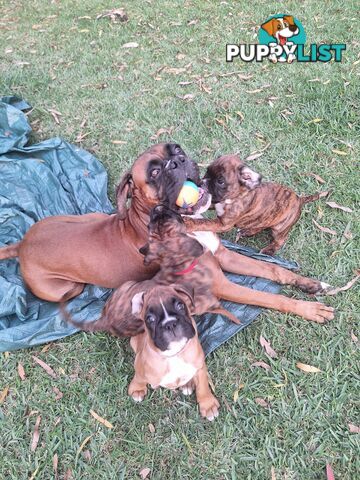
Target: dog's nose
[
  {"x": 170, "y": 325},
  {"x": 293, "y": 28},
  {"x": 174, "y": 163}
]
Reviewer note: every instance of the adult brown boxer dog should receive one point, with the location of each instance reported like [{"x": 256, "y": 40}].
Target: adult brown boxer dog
[{"x": 59, "y": 255}]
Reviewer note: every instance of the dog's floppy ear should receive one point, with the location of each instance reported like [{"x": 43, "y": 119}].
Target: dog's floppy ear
[
  {"x": 289, "y": 19},
  {"x": 269, "y": 27},
  {"x": 152, "y": 253},
  {"x": 122, "y": 193},
  {"x": 192, "y": 247},
  {"x": 187, "y": 290},
  {"x": 137, "y": 303}
]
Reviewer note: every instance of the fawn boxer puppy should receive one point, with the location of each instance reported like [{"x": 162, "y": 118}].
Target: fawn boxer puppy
[
  {"x": 168, "y": 352},
  {"x": 242, "y": 200}
]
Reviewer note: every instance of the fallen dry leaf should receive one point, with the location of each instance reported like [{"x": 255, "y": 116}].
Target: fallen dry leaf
[
  {"x": 353, "y": 428},
  {"x": 87, "y": 455},
  {"x": 55, "y": 114},
  {"x": 45, "y": 366},
  {"x": 340, "y": 152},
  {"x": 87, "y": 439},
  {"x": 46, "y": 348},
  {"x": 329, "y": 472},
  {"x": 266, "y": 345},
  {"x": 324, "y": 229},
  {"x": 68, "y": 474},
  {"x": 119, "y": 142},
  {"x": 55, "y": 465},
  {"x": 261, "y": 364},
  {"x": 36, "y": 434},
  {"x": 144, "y": 473},
  {"x": 334, "y": 291},
  {"x": 253, "y": 156},
  {"x": 315, "y": 120},
  {"x": 162, "y": 131},
  {"x": 151, "y": 428},
  {"x": 101, "y": 419},
  {"x": 261, "y": 402},
  {"x": 58, "y": 394},
  {"x": 307, "y": 368},
  {"x": 21, "y": 371},
  {"x": 3, "y": 394},
  {"x": 236, "y": 393},
  {"x": 354, "y": 338},
  {"x": 340, "y": 207},
  {"x": 273, "y": 475},
  {"x": 116, "y": 14},
  {"x": 34, "y": 473},
  {"x": 317, "y": 177},
  {"x": 174, "y": 71},
  {"x": 130, "y": 45},
  {"x": 189, "y": 97}
]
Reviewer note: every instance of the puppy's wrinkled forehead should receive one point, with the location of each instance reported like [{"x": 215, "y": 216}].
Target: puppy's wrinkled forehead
[{"x": 226, "y": 164}]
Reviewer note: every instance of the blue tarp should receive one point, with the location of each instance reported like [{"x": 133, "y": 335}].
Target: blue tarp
[{"x": 53, "y": 178}]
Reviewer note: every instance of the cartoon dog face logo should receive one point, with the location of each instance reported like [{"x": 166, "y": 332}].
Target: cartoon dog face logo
[{"x": 281, "y": 28}]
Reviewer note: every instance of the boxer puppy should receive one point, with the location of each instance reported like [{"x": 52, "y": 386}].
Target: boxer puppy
[
  {"x": 242, "y": 200},
  {"x": 168, "y": 352}
]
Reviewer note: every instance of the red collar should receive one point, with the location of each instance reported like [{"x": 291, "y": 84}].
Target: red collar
[{"x": 189, "y": 268}]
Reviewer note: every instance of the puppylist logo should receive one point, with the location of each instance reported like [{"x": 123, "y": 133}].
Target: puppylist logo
[{"x": 282, "y": 39}]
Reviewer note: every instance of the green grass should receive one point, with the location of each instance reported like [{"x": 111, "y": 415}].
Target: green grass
[{"x": 306, "y": 425}]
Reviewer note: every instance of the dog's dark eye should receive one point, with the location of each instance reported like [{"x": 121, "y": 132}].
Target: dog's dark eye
[
  {"x": 154, "y": 172},
  {"x": 150, "y": 318},
  {"x": 220, "y": 181},
  {"x": 179, "y": 306},
  {"x": 279, "y": 27}
]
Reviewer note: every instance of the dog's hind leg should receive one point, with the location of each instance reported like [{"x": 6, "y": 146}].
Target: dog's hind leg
[
  {"x": 240, "y": 264},
  {"x": 314, "y": 311}
]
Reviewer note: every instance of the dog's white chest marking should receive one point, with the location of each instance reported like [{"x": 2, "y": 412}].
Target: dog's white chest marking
[
  {"x": 179, "y": 373},
  {"x": 219, "y": 207},
  {"x": 208, "y": 240}
]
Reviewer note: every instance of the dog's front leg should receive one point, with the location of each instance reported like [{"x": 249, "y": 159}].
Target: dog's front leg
[
  {"x": 208, "y": 403},
  {"x": 137, "y": 388},
  {"x": 215, "y": 225}
]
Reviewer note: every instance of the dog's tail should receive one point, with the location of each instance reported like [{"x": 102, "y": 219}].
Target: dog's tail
[
  {"x": 10, "y": 251},
  {"x": 95, "y": 326},
  {"x": 226, "y": 313},
  {"x": 312, "y": 198}
]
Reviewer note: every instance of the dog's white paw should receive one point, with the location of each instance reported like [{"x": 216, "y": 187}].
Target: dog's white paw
[
  {"x": 138, "y": 396},
  {"x": 187, "y": 389},
  {"x": 325, "y": 287}
]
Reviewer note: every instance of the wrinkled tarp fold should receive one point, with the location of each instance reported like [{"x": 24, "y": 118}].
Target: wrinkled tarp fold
[{"x": 53, "y": 178}]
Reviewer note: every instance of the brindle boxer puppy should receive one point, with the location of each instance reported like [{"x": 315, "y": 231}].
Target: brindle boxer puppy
[
  {"x": 183, "y": 264},
  {"x": 241, "y": 200},
  {"x": 168, "y": 353}
]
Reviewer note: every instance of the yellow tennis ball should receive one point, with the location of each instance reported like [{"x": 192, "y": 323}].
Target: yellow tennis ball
[{"x": 188, "y": 196}]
